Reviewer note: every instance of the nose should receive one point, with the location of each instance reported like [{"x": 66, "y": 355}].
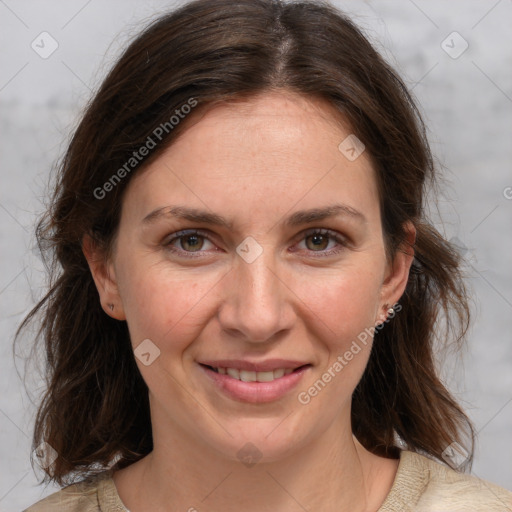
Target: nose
[{"x": 257, "y": 305}]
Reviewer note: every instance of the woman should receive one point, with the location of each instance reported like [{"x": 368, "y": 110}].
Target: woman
[{"x": 248, "y": 287}]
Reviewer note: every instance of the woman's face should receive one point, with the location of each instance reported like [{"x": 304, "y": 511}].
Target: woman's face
[{"x": 253, "y": 243}]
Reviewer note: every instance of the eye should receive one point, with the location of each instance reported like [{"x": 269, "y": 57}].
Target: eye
[
  {"x": 194, "y": 243},
  {"x": 322, "y": 241},
  {"x": 317, "y": 241},
  {"x": 189, "y": 241}
]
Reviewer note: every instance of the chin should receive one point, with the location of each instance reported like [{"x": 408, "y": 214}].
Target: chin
[{"x": 252, "y": 441}]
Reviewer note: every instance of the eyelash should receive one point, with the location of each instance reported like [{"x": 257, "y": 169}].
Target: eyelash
[{"x": 333, "y": 236}]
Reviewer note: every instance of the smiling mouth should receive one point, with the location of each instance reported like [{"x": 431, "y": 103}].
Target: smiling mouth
[{"x": 252, "y": 376}]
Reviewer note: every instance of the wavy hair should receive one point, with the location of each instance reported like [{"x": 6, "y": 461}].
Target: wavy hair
[{"x": 95, "y": 411}]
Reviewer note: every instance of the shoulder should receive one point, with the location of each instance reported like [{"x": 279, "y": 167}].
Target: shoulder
[
  {"x": 94, "y": 494},
  {"x": 424, "y": 485}
]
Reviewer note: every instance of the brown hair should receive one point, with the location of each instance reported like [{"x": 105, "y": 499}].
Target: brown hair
[{"x": 95, "y": 410}]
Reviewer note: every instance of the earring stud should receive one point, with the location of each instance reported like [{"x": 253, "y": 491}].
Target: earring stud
[{"x": 111, "y": 306}]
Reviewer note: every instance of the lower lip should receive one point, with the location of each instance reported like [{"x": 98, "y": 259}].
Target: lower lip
[{"x": 255, "y": 392}]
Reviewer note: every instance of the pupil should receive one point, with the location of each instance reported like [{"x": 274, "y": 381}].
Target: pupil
[
  {"x": 192, "y": 242},
  {"x": 319, "y": 241}
]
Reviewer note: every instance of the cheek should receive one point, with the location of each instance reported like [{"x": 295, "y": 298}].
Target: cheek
[
  {"x": 163, "y": 305},
  {"x": 345, "y": 301}
]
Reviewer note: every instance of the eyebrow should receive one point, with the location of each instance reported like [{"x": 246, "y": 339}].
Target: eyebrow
[{"x": 295, "y": 219}]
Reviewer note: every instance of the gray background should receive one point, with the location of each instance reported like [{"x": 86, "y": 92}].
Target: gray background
[{"x": 467, "y": 103}]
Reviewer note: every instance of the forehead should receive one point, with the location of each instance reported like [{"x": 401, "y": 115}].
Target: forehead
[
  {"x": 276, "y": 120},
  {"x": 275, "y": 150}
]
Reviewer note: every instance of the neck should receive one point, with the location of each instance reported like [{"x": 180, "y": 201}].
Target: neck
[{"x": 333, "y": 473}]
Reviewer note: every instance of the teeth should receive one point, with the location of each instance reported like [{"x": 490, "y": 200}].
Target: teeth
[
  {"x": 249, "y": 376},
  {"x": 233, "y": 372},
  {"x": 246, "y": 376},
  {"x": 268, "y": 376}
]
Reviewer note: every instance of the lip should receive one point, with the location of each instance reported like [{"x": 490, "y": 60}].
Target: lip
[
  {"x": 263, "y": 366},
  {"x": 254, "y": 392}
]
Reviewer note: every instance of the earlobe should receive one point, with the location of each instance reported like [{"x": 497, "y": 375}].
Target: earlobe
[
  {"x": 388, "y": 313},
  {"x": 104, "y": 277},
  {"x": 398, "y": 272}
]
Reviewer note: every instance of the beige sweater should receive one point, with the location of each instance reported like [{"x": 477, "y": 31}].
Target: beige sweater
[{"x": 421, "y": 485}]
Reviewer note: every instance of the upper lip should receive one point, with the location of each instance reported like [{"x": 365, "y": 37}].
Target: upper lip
[{"x": 261, "y": 366}]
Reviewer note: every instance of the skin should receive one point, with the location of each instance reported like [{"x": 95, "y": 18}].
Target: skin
[{"x": 279, "y": 150}]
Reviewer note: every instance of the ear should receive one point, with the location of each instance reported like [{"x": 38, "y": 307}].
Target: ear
[
  {"x": 397, "y": 273},
  {"x": 104, "y": 277}
]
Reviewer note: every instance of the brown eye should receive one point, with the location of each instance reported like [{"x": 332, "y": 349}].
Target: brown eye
[
  {"x": 191, "y": 243},
  {"x": 317, "y": 242},
  {"x": 321, "y": 242}
]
